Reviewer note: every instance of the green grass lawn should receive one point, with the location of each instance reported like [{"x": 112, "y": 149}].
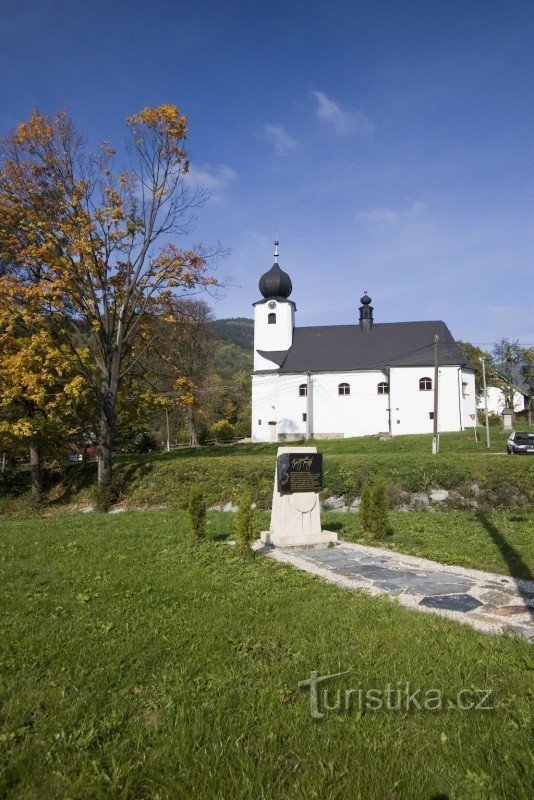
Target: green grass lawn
[
  {"x": 494, "y": 542},
  {"x": 134, "y": 665}
]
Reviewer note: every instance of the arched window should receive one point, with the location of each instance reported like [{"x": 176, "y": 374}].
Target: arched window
[
  {"x": 303, "y": 390},
  {"x": 383, "y": 388},
  {"x": 343, "y": 388},
  {"x": 271, "y": 319},
  {"x": 425, "y": 384}
]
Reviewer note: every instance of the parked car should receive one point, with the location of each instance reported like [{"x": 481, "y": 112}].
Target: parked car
[{"x": 520, "y": 442}]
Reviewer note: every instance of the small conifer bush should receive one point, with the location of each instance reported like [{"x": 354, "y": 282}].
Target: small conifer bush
[
  {"x": 106, "y": 494},
  {"x": 365, "y": 507},
  {"x": 244, "y": 530},
  {"x": 379, "y": 508},
  {"x": 197, "y": 513}
]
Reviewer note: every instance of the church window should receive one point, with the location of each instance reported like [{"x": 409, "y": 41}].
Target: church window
[
  {"x": 343, "y": 388},
  {"x": 383, "y": 388},
  {"x": 304, "y": 417},
  {"x": 431, "y": 414},
  {"x": 425, "y": 384},
  {"x": 271, "y": 319},
  {"x": 303, "y": 390},
  {"x": 259, "y": 422}
]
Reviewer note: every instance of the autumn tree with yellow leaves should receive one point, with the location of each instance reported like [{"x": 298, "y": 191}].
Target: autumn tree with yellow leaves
[
  {"x": 91, "y": 249},
  {"x": 43, "y": 399}
]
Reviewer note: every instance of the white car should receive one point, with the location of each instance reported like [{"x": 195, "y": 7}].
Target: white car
[{"x": 520, "y": 442}]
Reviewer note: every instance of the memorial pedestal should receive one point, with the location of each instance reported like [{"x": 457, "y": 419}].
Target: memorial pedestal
[{"x": 296, "y": 513}]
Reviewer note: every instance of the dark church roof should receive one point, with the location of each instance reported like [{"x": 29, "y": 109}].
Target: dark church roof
[{"x": 340, "y": 348}]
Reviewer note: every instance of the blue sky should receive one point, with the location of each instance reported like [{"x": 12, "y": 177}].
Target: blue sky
[{"x": 390, "y": 142}]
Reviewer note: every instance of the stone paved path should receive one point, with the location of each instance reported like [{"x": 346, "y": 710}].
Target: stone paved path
[{"x": 489, "y": 602}]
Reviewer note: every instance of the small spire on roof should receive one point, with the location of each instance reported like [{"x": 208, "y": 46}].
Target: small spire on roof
[
  {"x": 276, "y": 243},
  {"x": 366, "y": 312}
]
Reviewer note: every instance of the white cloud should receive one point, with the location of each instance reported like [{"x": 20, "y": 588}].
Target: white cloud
[
  {"x": 346, "y": 123},
  {"x": 280, "y": 138},
  {"x": 390, "y": 217},
  {"x": 214, "y": 179}
]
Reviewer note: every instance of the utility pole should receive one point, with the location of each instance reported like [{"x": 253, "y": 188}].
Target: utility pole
[
  {"x": 168, "y": 431},
  {"x": 435, "y": 435},
  {"x": 308, "y": 406},
  {"x": 485, "y": 400}
]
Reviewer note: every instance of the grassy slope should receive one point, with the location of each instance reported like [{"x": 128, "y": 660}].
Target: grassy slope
[
  {"x": 135, "y": 666},
  {"x": 166, "y": 477}
]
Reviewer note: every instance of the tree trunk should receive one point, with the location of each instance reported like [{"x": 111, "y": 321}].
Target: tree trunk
[
  {"x": 193, "y": 441},
  {"x": 36, "y": 470},
  {"x": 105, "y": 437},
  {"x": 511, "y": 393}
]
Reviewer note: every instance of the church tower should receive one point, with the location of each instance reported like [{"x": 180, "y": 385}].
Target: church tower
[{"x": 274, "y": 316}]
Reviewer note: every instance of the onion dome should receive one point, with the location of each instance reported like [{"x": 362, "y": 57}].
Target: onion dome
[
  {"x": 275, "y": 282},
  {"x": 365, "y": 300}
]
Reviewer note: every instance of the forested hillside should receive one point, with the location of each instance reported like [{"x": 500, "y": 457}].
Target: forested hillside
[
  {"x": 222, "y": 400},
  {"x": 237, "y": 330}
]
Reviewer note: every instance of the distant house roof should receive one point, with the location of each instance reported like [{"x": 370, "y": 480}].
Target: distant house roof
[
  {"x": 341, "y": 348},
  {"x": 518, "y": 380}
]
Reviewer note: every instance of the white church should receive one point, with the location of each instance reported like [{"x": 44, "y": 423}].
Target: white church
[{"x": 336, "y": 381}]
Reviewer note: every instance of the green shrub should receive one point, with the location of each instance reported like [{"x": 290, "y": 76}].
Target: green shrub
[
  {"x": 222, "y": 431},
  {"x": 379, "y": 508},
  {"x": 12, "y": 482},
  {"x": 106, "y": 494},
  {"x": 244, "y": 528},
  {"x": 145, "y": 442},
  {"x": 365, "y": 507},
  {"x": 197, "y": 513}
]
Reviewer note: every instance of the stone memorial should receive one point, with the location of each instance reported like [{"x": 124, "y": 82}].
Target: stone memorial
[
  {"x": 507, "y": 419},
  {"x": 296, "y": 509}
]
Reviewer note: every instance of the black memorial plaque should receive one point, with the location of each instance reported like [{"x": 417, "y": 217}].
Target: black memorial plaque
[{"x": 300, "y": 472}]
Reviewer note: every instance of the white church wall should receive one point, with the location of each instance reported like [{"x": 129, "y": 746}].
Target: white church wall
[
  {"x": 363, "y": 412},
  {"x": 469, "y": 398},
  {"x": 411, "y": 408},
  {"x": 275, "y": 398},
  {"x": 360, "y": 413}
]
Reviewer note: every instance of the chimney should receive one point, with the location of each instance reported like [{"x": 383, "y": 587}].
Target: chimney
[{"x": 366, "y": 312}]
